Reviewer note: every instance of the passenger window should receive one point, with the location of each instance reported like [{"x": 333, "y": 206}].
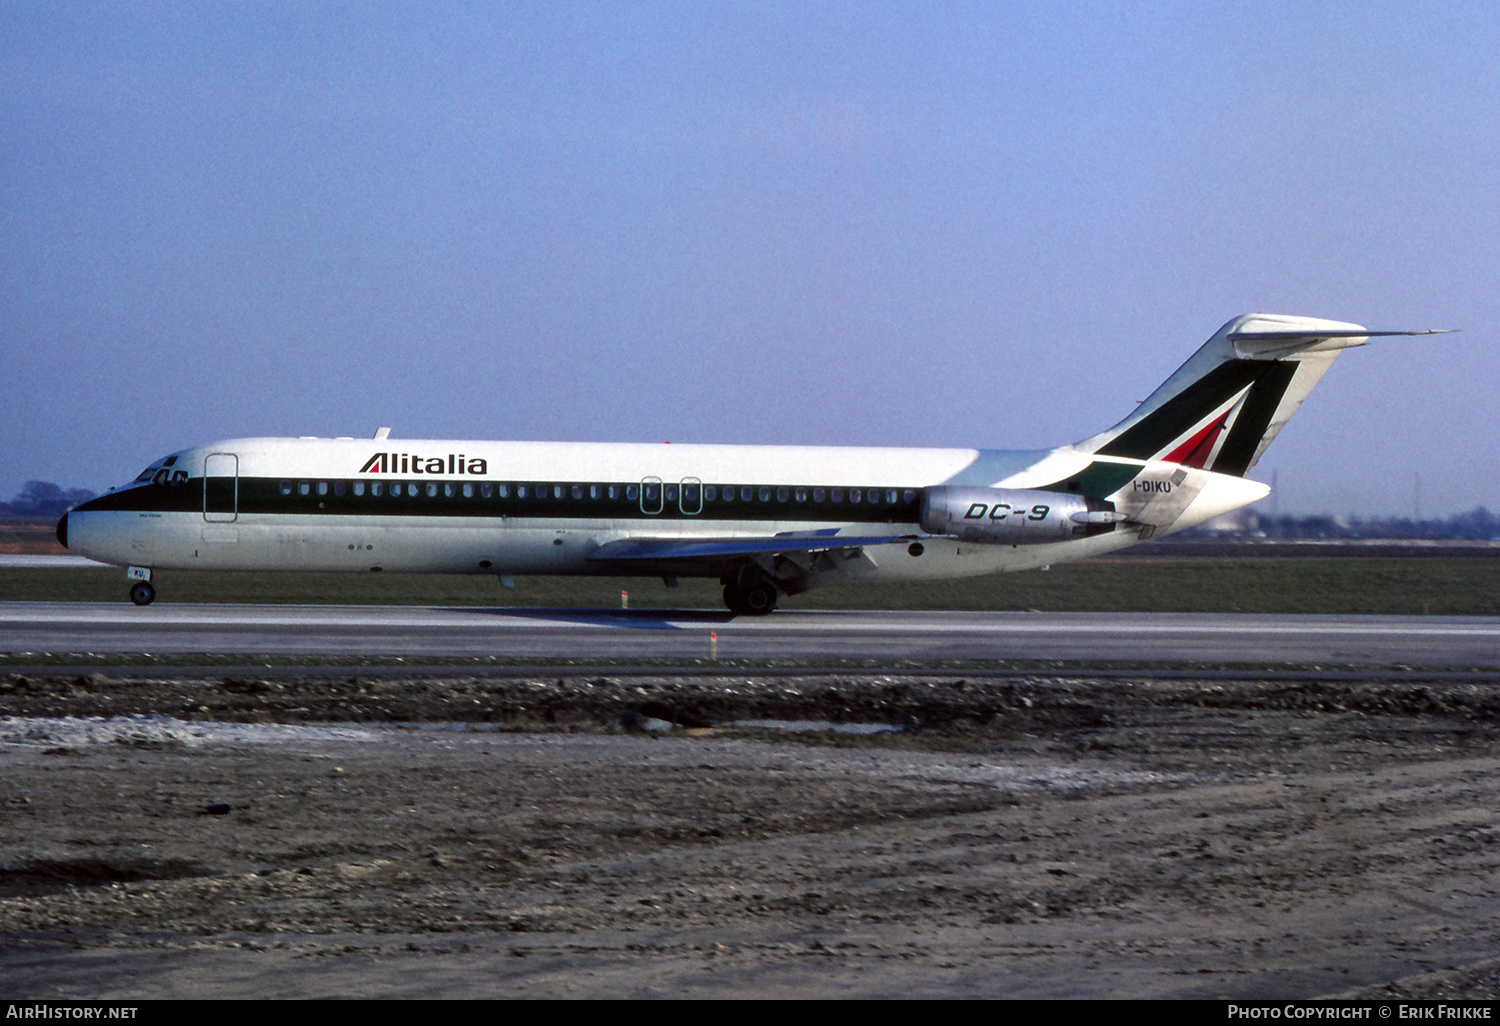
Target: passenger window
[
  {"x": 322, "y": 487},
  {"x": 557, "y": 491},
  {"x": 503, "y": 491},
  {"x": 593, "y": 491},
  {"x": 747, "y": 494},
  {"x": 469, "y": 490},
  {"x": 838, "y": 495},
  {"x": 710, "y": 492},
  {"x": 782, "y": 494},
  {"x": 729, "y": 494},
  {"x": 854, "y": 495},
  {"x": 765, "y": 495},
  {"x": 411, "y": 489},
  {"x": 377, "y": 487},
  {"x": 578, "y": 491},
  {"x": 671, "y": 493},
  {"x": 652, "y": 492},
  {"x": 431, "y": 489},
  {"x": 890, "y": 497},
  {"x": 304, "y": 487},
  {"x": 909, "y": 496},
  {"x": 818, "y": 495},
  {"x": 449, "y": 489},
  {"x": 520, "y": 491},
  {"x": 801, "y": 494},
  {"x": 632, "y": 492},
  {"x": 614, "y": 491},
  {"x": 359, "y": 488}
]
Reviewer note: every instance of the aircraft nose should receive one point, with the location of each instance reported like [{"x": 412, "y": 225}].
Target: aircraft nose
[{"x": 62, "y": 530}]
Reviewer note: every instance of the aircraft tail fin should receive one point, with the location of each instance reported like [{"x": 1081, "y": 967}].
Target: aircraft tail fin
[{"x": 1222, "y": 407}]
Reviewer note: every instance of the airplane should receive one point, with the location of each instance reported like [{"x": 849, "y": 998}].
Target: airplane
[{"x": 765, "y": 521}]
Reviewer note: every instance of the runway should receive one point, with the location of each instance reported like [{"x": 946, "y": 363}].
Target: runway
[
  {"x": 48, "y": 561},
  {"x": 803, "y": 636}
]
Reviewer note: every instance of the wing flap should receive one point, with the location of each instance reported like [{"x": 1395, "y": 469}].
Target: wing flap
[{"x": 656, "y": 550}]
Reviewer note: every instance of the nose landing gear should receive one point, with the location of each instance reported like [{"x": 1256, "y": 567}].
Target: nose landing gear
[{"x": 142, "y": 592}]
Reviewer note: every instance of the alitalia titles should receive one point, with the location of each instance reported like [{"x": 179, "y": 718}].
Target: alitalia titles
[{"x": 413, "y": 463}]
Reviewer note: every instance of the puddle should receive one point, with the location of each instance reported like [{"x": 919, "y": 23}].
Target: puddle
[{"x": 817, "y": 726}]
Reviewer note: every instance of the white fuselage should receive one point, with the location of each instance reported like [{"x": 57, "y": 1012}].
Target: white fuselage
[
  {"x": 764, "y": 520},
  {"x": 473, "y": 506}
]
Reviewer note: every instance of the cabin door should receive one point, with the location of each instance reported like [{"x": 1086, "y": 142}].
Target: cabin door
[
  {"x": 651, "y": 495},
  {"x": 221, "y": 487}
]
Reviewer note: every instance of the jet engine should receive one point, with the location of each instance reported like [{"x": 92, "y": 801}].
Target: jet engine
[{"x": 1013, "y": 516}]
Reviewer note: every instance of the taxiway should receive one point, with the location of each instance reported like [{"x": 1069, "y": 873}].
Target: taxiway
[{"x": 805, "y": 636}]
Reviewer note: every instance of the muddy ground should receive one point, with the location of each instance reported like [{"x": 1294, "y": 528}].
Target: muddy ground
[{"x": 1016, "y": 836}]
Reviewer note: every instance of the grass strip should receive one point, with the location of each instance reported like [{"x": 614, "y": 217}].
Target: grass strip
[{"x": 1344, "y": 585}]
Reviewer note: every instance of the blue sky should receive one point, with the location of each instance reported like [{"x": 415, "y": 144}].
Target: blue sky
[{"x": 895, "y": 224}]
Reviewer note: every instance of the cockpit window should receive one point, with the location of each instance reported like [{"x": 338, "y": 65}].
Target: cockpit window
[{"x": 159, "y": 473}]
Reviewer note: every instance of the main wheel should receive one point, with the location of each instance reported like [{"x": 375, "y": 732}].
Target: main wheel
[
  {"x": 142, "y": 593},
  {"x": 760, "y": 599},
  {"x": 756, "y": 599}
]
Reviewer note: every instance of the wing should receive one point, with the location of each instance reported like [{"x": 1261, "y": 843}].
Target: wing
[{"x": 789, "y": 559}]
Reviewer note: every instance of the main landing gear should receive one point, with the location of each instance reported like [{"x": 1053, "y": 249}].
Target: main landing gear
[{"x": 754, "y": 599}]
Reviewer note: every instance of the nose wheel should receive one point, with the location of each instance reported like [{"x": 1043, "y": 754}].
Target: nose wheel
[{"x": 142, "y": 593}]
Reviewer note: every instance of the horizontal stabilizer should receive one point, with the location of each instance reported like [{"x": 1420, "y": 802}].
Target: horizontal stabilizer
[
  {"x": 1361, "y": 333},
  {"x": 1280, "y": 345}
]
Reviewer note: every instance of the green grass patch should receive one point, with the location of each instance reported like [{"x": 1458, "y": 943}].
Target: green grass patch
[
  {"x": 1422, "y": 586},
  {"x": 1418, "y": 586}
]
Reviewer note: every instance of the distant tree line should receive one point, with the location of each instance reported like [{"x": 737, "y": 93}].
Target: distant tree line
[
  {"x": 44, "y": 499},
  {"x": 1478, "y": 524}
]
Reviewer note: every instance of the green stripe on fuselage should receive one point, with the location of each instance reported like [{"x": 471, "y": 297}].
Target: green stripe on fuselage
[
  {"x": 264, "y": 495},
  {"x": 1098, "y": 479}
]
